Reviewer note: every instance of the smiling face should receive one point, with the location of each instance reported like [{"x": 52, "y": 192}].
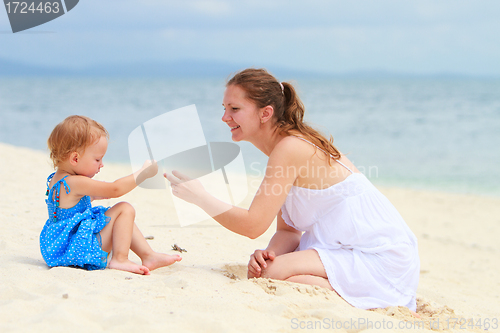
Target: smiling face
[
  {"x": 90, "y": 163},
  {"x": 240, "y": 114}
]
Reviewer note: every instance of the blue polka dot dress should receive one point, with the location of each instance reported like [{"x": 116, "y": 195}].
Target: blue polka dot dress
[{"x": 71, "y": 236}]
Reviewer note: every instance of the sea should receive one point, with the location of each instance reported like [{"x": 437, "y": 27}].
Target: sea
[{"x": 431, "y": 133}]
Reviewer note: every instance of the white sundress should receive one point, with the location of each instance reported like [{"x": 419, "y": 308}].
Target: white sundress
[{"x": 369, "y": 253}]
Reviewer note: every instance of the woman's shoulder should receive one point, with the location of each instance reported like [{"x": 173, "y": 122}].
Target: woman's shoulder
[
  {"x": 293, "y": 143},
  {"x": 293, "y": 149}
]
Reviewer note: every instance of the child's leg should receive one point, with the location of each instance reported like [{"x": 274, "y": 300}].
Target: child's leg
[
  {"x": 117, "y": 236},
  {"x": 150, "y": 258}
]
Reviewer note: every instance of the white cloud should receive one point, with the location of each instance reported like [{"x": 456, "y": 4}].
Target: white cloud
[
  {"x": 215, "y": 8},
  {"x": 409, "y": 36}
]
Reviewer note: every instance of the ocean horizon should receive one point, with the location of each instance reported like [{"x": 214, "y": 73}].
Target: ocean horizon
[{"x": 433, "y": 133}]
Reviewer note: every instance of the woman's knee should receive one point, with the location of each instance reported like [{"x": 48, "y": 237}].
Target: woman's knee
[
  {"x": 294, "y": 263},
  {"x": 275, "y": 269}
]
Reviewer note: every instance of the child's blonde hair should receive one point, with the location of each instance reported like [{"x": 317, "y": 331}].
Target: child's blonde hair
[{"x": 73, "y": 134}]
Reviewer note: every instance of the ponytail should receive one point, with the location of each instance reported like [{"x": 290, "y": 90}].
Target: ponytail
[
  {"x": 293, "y": 124},
  {"x": 263, "y": 89},
  {"x": 294, "y": 110}
]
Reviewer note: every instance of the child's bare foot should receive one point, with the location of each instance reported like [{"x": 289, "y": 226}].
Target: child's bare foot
[
  {"x": 157, "y": 260},
  {"x": 128, "y": 266}
]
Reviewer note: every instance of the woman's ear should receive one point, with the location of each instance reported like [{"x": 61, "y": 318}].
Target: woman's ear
[
  {"x": 74, "y": 157},
  {"x": 266, "y": 113}
]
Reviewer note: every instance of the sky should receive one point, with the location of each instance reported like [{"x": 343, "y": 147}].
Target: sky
[{"x": 321, "y": 36}]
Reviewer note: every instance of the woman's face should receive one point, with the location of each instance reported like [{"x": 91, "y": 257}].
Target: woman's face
[{"x": 240, "y": 114}]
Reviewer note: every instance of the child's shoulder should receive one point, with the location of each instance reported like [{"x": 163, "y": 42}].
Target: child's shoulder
[
  {"x": 64, "y": 177},
  {"x": 55, "y": 177},
  {"x": 75, "y": 179}
]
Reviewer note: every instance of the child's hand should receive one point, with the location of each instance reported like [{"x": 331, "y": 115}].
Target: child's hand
[
  {"x": 186, "y": 188},
  {"x": 258, "y": 263},
  {"x": 148, "y": 170}
]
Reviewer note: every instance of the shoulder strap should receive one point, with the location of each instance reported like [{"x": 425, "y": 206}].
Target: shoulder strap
[
  {"x": 49, "y": 178},
  {"x": 57, "y": 184},
  {"x": 345, "y": 166},
  {"x": 55, "y": 191}
]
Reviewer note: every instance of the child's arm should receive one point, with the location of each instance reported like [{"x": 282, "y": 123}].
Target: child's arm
[
  {"x": 98, "y": 198},
  {"x": 81, "y": 185}
]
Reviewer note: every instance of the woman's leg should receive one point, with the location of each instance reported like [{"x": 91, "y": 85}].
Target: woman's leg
[
  {"x": 117, "y": 236},
  {"x": 301, "y": 267},
  {"x": 312, "y": 280}
]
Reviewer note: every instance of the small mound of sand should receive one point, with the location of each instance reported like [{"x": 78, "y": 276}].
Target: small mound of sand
[{"x": 432, "y": 316}]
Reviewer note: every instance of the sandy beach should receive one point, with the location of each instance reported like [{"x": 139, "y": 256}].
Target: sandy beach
[{"x": 208, "y": 290}]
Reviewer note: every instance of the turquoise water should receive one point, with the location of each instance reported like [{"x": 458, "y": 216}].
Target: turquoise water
[{"x": 439, "y": 134}]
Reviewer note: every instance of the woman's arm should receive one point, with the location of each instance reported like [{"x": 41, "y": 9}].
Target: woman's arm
[
  {"x": 285, "y": 240},
  {"x": 282, "y": 170}
]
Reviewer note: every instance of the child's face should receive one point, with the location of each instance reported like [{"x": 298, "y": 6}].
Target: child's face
[{"x": 91, "y": 161}]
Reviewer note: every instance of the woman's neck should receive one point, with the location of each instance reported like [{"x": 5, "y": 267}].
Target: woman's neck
[{"x": 268, "y": 139}]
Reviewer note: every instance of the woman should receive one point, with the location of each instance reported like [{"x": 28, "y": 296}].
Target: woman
[{"x": 334, "y": 228}]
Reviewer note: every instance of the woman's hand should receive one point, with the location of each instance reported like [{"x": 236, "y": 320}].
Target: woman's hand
[
  {"x": 258, "y": 262},
  {"x": 186, "y": 188}
]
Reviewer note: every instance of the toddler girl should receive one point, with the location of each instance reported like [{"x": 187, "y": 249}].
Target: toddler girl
[{"x": 77, "y": 234}]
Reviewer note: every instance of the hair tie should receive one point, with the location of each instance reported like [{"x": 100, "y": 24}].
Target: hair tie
[{"x": 282, "y": 88}]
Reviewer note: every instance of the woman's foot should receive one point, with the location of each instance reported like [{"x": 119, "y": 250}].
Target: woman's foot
[
  {"x": 157, "y": 260},
  {"x": 128, "y": 266}
]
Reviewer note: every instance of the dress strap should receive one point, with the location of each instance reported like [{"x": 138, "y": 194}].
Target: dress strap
[
  {"x": 49, "y": 178},
  {"x": 58, "y": 183},
  {"x": 55, "y": 192},
  {"x": 345, "y": 166},
  {"x": 66, "y": 186}
]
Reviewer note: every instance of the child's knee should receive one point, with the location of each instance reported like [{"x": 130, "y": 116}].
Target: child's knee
[{"x": 126, "y": 208}]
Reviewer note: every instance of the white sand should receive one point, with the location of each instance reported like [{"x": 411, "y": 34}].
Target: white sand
[{"x": 208, "y": 290}]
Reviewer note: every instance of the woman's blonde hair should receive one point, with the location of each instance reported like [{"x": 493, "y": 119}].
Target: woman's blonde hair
[
  {"x": 264, "y": 89},
  {"x": 73, "y": 134}
]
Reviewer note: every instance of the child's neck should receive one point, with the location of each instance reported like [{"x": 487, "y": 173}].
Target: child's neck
[{"x": 65, "y": 169}]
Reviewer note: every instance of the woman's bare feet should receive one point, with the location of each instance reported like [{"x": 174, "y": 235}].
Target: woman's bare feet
[
  {"x": 157, "y": 260},
  {"x": 128, "y": 266}
]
